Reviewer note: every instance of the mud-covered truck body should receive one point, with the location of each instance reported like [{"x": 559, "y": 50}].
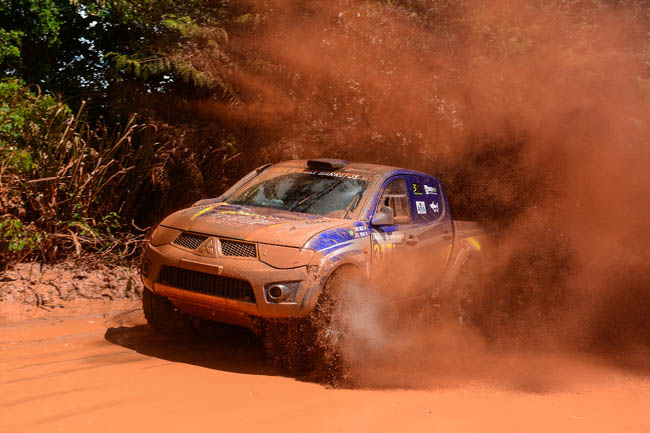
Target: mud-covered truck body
[{"x": 266, "y": 248}]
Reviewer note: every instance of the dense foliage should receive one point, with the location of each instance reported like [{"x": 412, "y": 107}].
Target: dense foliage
[
  {"x": 84, "y": 150},
  {"x": 65, "y": 181}
]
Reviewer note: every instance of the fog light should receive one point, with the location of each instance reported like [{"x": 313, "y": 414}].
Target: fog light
[
  {"x": 278, "y": 292},
  {"x": 281, "y": 292}
]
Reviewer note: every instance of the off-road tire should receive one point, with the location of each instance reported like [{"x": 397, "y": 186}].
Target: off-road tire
[
  {"x": 457, "y": 299},
  {"x": 313, "y": 346},
  {"x": 161, "y": 314},
  {"x": 290, "y": 345}
]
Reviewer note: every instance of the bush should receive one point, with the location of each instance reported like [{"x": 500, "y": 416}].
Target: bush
[
  {"x": 67, "y": 184},
  {"x": 16, "y": 238}
]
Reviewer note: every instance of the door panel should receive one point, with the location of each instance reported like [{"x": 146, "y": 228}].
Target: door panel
[
  {"x": 432, "y": 234},
  {"x": 391, "y": 251}
]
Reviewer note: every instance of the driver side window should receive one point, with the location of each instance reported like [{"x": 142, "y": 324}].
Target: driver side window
[{"x": 396, "y": 197}]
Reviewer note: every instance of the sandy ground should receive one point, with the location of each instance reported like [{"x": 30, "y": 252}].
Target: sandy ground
[{"x": 95, "y": 366}]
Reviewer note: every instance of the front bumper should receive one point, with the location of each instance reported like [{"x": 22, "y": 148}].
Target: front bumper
[{"x": 218, "y": 308}]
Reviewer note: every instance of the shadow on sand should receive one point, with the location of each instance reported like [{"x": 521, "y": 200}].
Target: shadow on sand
[{"x": 221, "y": 348}]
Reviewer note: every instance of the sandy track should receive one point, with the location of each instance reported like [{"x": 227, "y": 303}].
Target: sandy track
[{"x": 98, "y": 367}]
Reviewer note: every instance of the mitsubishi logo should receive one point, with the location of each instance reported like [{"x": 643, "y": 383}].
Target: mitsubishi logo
[{"x": 207, "y": 248}]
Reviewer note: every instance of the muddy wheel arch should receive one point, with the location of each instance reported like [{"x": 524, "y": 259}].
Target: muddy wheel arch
[{"x": 311, "y": 299}]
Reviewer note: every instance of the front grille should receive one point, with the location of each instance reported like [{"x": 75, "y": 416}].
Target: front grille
[
  {"x": 189, "y": 240},
  {"x": 237, "y": 249},
  {"x": 209, "y": 284}
]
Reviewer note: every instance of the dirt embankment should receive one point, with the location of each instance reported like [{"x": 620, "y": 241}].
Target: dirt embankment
[{"x": 50, "y": 286}]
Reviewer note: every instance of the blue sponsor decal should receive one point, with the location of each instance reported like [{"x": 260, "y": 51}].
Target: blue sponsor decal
[
  {"x": 333, "y": 238},
  {"x": 361, "y": 230}
]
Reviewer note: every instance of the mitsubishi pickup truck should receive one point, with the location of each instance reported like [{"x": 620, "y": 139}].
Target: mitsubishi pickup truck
[{"x": 276, "y": 250}]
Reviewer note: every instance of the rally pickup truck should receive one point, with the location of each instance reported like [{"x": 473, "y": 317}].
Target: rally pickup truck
[{"x": 278, "y": 246}]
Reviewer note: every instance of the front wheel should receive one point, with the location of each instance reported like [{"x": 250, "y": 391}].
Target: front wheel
[
  {"x": 161, "y": 314},
  {"x": 314, "y": 345}
]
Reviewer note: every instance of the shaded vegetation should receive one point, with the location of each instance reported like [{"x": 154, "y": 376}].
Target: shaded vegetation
[
  {"x": 85, "y": 147},
  {"x": 66, "y": 181}
]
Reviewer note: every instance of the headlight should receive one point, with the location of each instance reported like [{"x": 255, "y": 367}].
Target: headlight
[
  {"x": 145, "y": 267},
  {"x": 284, "y": 257},
  {"x": 163, "y": 235}
]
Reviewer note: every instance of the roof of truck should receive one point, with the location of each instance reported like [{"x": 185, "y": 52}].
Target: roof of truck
[{"x": 356, "y": 168}]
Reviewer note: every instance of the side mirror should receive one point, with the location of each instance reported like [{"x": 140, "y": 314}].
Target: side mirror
[{"x": 385, "y": 217}]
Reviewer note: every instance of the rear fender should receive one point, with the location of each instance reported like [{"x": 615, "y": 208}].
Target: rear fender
[{"x": 460, "y": 254}]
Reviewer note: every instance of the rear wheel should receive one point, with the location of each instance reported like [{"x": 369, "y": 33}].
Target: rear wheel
[
  {"x": 161, "y": 314},
  {"x": 456, "y": 301}
]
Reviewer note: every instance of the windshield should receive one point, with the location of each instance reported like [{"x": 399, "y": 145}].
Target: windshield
[{"x": 306, "y": 192}]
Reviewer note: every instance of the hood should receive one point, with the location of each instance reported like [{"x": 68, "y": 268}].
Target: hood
[{"x": 270, "y": 226}]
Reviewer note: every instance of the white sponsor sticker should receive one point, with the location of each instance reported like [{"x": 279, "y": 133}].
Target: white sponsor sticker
[
  {"x": 430, "y": 190},
  {"x": 421, "y": 207},
  {"x": 333, "y": 174},
  {"x": 434, "y": 206}
]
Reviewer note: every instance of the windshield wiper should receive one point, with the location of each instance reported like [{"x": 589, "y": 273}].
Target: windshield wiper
[
  {"x": 316, "y": 195},
  {"x": 353, "y": 204}
]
